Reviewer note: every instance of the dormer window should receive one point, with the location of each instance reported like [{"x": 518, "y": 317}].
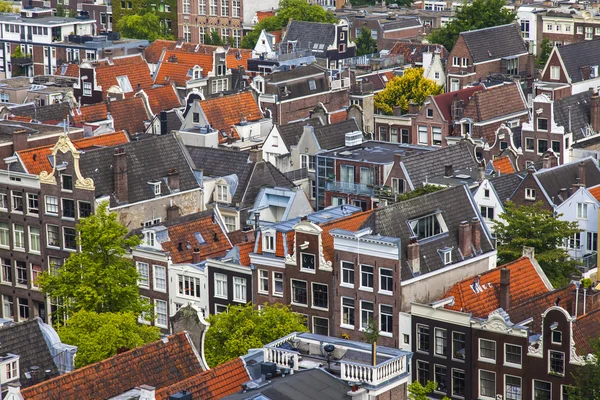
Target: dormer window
[
  {"x": 196, "y": 73},
  {"x": 269, "y": 242},
  {"x": 307, "y": 262},
  {"x": 529, "y": 194},
  {"x": 150, "y": 238},
  {"x": 221, "y": 70},
  {"x": 428, "y": 226},
  {"x": 222, "y": 193},
  {"x": 446, "y": 254},
  {"x": 155, "y": 188}
]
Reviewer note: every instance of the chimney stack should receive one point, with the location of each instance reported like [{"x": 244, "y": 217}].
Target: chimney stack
[
  {"x": 476, "y": 233},
  {"x": 595, "y": 112},
  {"x": 163, "y": 123},
  {"x": 147, "y": 392},
  {"x": 173, "y": 180},
  {"x": 196, "y": 258},
  {"x": 546, "y": 162},
  {"x": 120, "y": 185},
  {"x": 480, "y": 173},
  {"x": 14, "y": 389},
  {"x": 413, "y": 108},
  {"x": 20, "y": 140},
  {"x": 464, "y": 238},
  {"x": 505, "y": 288},
  {"x": 172, "y": 212},
  {"x": 582, "y": 174},
  {"x": 414, "y": 255},
  {"x": 448, "y": 171},
  {"x": 255, "y": 155},
  {"x": 397, "y": 158}
]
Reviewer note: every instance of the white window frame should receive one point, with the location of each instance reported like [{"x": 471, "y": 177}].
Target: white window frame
[
  {"x": 155, "y": 285},
  {"x": 32, "y": 241},
  {"x": 222, "y": 294},
  {"x": 554, "y": 73},
  {"x": 485, "y": 359},
  {"x": 269, "y": 242},
  {"x": 533, "y": 387},
  {"x": 292, "y": 293},
  {"x": 582, "y": 211},
  {"x": 157, "y": 318},
  {"x": 240, "y": 284},
  {"x": 312, "y": 296},
  {"x": 510, "y": 364},
  {"x": 381, "y": 314},
  {"x": 383, "y": 291},
  {"x": 367, "y": 288},
  {"x": 529, "y": 194},
  {"x": 481, "y": 396},
  {"x": 147, "y": 279},
  {"x": 512, "y": 376},
  {"x": 343, "y": 307},
  {"x": 275, "y": 280},
  {"x": 372, "y": 311},
  {"x": 550, "y": 351},
  {"x": 342, "y": 269},
  {"x": 262, "y": 279}
]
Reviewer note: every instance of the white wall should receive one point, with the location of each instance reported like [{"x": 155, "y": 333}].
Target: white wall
[
  {"x": 271, "y": 151},
  {"x": 174, "y": 297},
  {"x": 568, "y": 209},
  {"x": 491, "y": 201},
  {"x": 250, "y": 7}
]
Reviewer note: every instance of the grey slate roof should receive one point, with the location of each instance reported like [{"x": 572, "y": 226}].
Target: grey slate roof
[
  {"x": 577, "y": 56},
  {"x": 579, "y": 106},
  {"x": 496, "y": 42},
  {"x": 314, "y": 36},
  {"x": 264, "y": 174},
  {"x": 506, "y": 185},
  {"x": 295, "y": 73},
  {"x": 432, "y": 164},
  {"x": 292, "y": 132},
  {"x": 27, "y": 340},
  {"x": 334, "y": 135},
  {"x": 455, "y": 205},
  {"x": 147, "y": 160},
  {"x": 50, "y": 112},
  {"x": 564, "y": 176}
]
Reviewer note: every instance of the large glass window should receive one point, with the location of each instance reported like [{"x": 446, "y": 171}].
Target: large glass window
[
  {"x": 513, "y": 354},
  {"x": 366, "y": 276},
  {"x": 299, "y": 292},
  {"x": 19, "y": 236},
  {"x": 34, "y": 239},
  {"x": 277, "y": 283},
  {"x": 347, "y": 273},
  {"x": 441, "y": 376},
  {"x": 4, "y": 235},
  {"x": 32, "y": 203},
  {"x": 366, "y": 313},
  {"x": 513, "y": 387},
  {"x": 386, "y": 319},
  {"x": 487, "y": 349},
  {"x": 21, "y": 268},
  {"x": 68, "y": 208},
  {"x": 221, "y": 285},
  {"x": 239, "y": 289},
  {"x": 348, "y": 311},
  {"x": 441, "y": 342},
  {"x": 458, "y": 382},
  {"x": 189, "y": 286},
  {"x": 557, "y": 362},
  {"x": 69, "y": 238},
  {"x": 422, "y": 372},
  {"x": 17, "y": 201},
  {"x": 161, "y": 312},
  {"x": 143, "y": 274},
  {"x": 423, "y": 338},
  {"x": 160, "y": 277},
  {"x": 458, "y": 345},
  {"x": 320, "y": 296},
  {"x": 541, "y": 390},
  {"x": 386, "y": 280},
  {"x": 263, "y": 281},
  {"x": 51, "y": 205},
  {"x": 487, "y": 384}
]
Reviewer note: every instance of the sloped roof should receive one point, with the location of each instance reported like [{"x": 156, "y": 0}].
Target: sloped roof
[
  {"x": 504, "y": 165},
  {"x": 495, "y": 102},
  {"x": 585, "y": 330},
  {"x": 350, "y": 223},
  {"x": 338, "y": 116},
  {"x": 296, "y": 73},
  {"x": 333, "y": 135},
  {"x": 495, "y": 42},
  {"x": 573, "y": 111},
  {"x": 526, "y": 282},
  {"x": 506, "y": 185},
  {"x": 595, "y": 192},
  {"x": 68, "y": 69},
  {"x": 158, "y": 364},
  {"x": 553, "y": 180},
  {"x": 292, "y": 132},
  {"x": 162, "y": 98},
  {"x": 235, "y": 57},
  {"x": 264, "y": 174},
  {"x": 413, "y": 52},
  {"x": 213, "y": 384},
  {"x": 134, "y": 67},
  {"x": 51, "y": 113},
  {"x": 172, "y": 72},
  {"x": 444, "y": 101},
  {"x": 224, "y": 112},
  {"x": 36, "y": 160},
  {"x": 176, "y": 66},
  {"x": 578, "y": 57},
  {"x": 128, "y": 114},
  {"x": 314, "y": 36}
]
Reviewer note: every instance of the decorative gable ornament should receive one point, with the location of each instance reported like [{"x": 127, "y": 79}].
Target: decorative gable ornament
[
  {"x": 311, "y": 229},
  {"x": 65, "y": 145}
]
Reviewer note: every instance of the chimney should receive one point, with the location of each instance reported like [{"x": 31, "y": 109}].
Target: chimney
[
  {"x": 397, "y": 111},
  {"x": 505, "y": 288},
  {"x": 14, "y": 391},
  {"x": 163, "y": 123},
  {"x": 255, "y": 155},
  {"x": 172, "y": 213},
  {"x": 582, "y": 173},
  {"x": 529, "y": 252},
  {"x": 397, "y": 158},
  {"x": 20, "y": 137},
  {"x": 476, "y": 233},
  {"x": 546, "y": 162},
  {"x": 173, "y": 180},
  {"x": 120, "y": 185},
  {"x": 196, "y": 257},
  {"x": 414, "y": 256},
  {"x": 448, "y": 171},
  {"x": 147, "y": 392},
  {"x": 480, "y": 173},
  {"x": 595, "y": 112},
  {"x": 464, "y": 238},
  {"x": 413, "y": 108}
]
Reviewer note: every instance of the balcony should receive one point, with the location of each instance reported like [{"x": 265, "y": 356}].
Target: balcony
[
  {"x": 21, "y": 61},
  {"x": 350, "y": 188},
  {"x": 587, "y": 262}
]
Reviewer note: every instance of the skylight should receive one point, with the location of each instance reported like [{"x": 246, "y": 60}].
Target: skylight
[
  {"x": 124, "y": 84},
  {"x": 428, "y": 226}
]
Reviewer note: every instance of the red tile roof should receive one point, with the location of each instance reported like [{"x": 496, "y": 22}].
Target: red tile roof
[
  {"x": 504, "y": 165},
  {"x": 413, "y": 52},
  {"x": 536, "y": 306},
  {"x": 159, "y": 364},
  {"x": 495, "y": 102},
  {"x": 245, "y": 250},
  {"x": 238, "y": 58},
  {"x": 134, "y": 67},
  {"x": 444, "y": 101},
  {"x": 264, "y": 14},
  {"x": 173, "y": 72},
  {"x": 36, "y": 160},
  {"x": 162, "y": 98},
  {"x": 337, "y": 116},
  {"x": 349, "y": 223},
  {"x": 18, "y": 118},
  {"x": 525, "y": 283},
  {"x": 128, "y": 114},
  {"x": 586, "y": 329},
  {"x": 71, "y": 70},
  {"x": 277, "y": 35},
  {"x": 595, "y": 191},
  {"x": 224, "y": 112}
]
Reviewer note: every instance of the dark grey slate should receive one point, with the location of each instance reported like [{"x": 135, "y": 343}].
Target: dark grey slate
[
  {"x": 495, "y": 42},
  {"x": 577, "y": 56},
  {"x": 578, "y": 106}
]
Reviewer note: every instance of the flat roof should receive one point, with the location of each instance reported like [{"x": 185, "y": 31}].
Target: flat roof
[
  {"x": 49, "y": 21},
  {"x": 375, "y": 151}
]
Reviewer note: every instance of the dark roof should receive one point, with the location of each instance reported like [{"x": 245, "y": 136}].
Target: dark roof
[
  {"x": 292, "y": 132},
  {"x": 455, "y": 205},
  {"x": 315, "y": 36},
  {"x": 575, "y": 108},
  {"x": 506, "y": 185},
  {"x": 413, "y": 52},
  {"x": 444, "y": 101},
  {"x": 48, "y": 113},
  {"x": 308, "y": 384},
  {"x": 295, "y": 73},
  {"x": 26, "y": 340},
  {"x": 553, "y": 180},
  {"x": 432, "y": 164},
  {"x": 578, "y": 57},
  {"x": 148, "y": 160},
  {"x": 173, "y": 122},
  {"x": 585, "y": 332},
  {"x": 334, "y": 135},
  {"x": 264, "y": 174},
  {"x": 400, "y": 22},
  {"x": 495, "y": 42}
]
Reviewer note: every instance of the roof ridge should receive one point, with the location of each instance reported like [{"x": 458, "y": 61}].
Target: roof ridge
[{"x": 488, "y": 28}]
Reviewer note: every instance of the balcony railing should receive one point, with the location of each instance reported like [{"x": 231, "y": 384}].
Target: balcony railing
[
  {"x": 350, "y": 188},
  {"x": 372, "y": 375},
  {"x": 587, "y": 262}
]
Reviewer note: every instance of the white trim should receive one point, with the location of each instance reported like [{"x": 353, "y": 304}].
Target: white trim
[
  {"x": 342, "y": 325},
  {"x": 500, "y": 58},
  {"x": 485, "y": 359},
  {"x": 151, "y": 199},
  {"x": 259, "y": 259},
  {"x": 312, "y": 297},
  {"x": 533, "y": 387},
  {"x": 323, "y": 318},
  {"x": 479, "y": 383},
  {"x": 292, "y": 302},
  {"x": 512, "y": 376},
  {"x": 509, "y": 364},
  {"x": 277, "y": 294}
]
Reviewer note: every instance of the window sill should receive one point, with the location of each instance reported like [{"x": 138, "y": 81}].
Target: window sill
[
  {"x": 35, "y": 252},
  {"x": 216, "y": 296},
  {"x": 366, "y": 289},
  {"x": 487, "y": 360},
  {"x": 511, "y": 365},
  {"x": 320, "y": 308},
  {"x": 347, "y": 285},
  {"x": 386, "y": 334},
  {"x": 240, "y": 301},
  {"x": 6, "y": 283},
  {"x": 19, "y": 249},
  {"x": 277, "y": 294},
  {"x": 347, "y": 326},
  {"x": 51, "y": 214},
  {"x": 17, "y": 212},
  {"x": 185, "y": 296},
  {"x": 35, "y": 215},
  {"x": 308, "y": 271},
  {"x": 263, "y": 292},
  {"x": 67, "y": 218},
  {"x": 160, "y": 290},
  {"x": 386, "y": 292},
  {"x": 144, "y": 287},
  {"x": 70, "y": 250},
  {"x": 299, "y": 305}
]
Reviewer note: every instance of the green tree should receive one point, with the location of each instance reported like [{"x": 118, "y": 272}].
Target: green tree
[
  {"x": 476, "y": 15},
  {"x": 6, "y": 7},
  {"x": 214, "y": 38},
  {"x": 534, "y": 226},
  {"x": 99, "y": 336},
  {"x": 401, "y": 90},
  {"x": 545, "y": 50},
  {"x": 416, "y": 391},
  {"x": 99, "y": 278},
  {"x": 419, "y": 191},
  {"x": 17, "y": 53},
  {"x": 60, "y": 11},
  {"x": 145, "y": 26},
  {"x": 587, "y": 377},
  {"x": 298, "y": 10},
  {"x": 365, "y": 44},
  {"x": 244, "y": 327}
]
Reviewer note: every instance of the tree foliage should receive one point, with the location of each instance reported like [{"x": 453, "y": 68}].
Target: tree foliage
[
  {"x": 6, "y": 7},
  {"x": 358, "y": 3},
  {"x": 365, "y": 44},
  {"x": 99, "y": 278},
  {"x": 298, "y": 10},
  {"x": 476, "y": 15},
  {"x": 534, "y": 226},
  {"x": 419, "y": 191},
  {"x": 146, "y": 26},
  {"x": 99, "y": 336},
  {"x": 371, "y": 333},
  {"x": 587, "y": 377},
  {"x": 545, "y": 50},
  {"x": 244, "y": 327},
  {"x": 17, "y": 53},
  {"x": 416, "y": 391},
  {"x": 401, "y": 90}
]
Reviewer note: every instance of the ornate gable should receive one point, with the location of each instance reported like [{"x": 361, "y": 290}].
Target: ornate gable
[{"x": 65, "y": 145}]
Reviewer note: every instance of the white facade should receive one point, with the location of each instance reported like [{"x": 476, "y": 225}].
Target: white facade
[
  {"x": 274, "y": 147},
  {"x": 188, "y": 284},
  {"x": 527, "y": 17},
  {"x": 489, "y": 204},
  {"x": 433, "y": 68}
]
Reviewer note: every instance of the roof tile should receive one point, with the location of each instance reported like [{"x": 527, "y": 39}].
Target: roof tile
[
  {"x": 504, "y": 165},
  {"x": 162, "y": 98}
]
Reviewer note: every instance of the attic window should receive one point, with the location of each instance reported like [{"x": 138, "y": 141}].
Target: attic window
[
  {"x": 269, "y": 242},
  {"x": 312, "y": 85},
  {"x": 428, "y": 226},
  {"x": 199, "y": 238},
  {"x": 149, "y": 238},
  {"x": 124, "y": 84},
  {"x": 155, "y": 187},
  {"x": 446, "y": 254}
]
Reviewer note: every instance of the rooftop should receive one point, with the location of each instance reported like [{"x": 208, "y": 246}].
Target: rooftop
[{"x": 375, "y": 151}]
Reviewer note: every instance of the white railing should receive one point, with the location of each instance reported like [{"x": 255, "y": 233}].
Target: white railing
[
  {"x": 373, "y": 375},
  {"x": 281, "y": 357}
]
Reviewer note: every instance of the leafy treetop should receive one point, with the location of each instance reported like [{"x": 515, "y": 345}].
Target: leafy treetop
[
  {"x": 401, "y": 90},
  {"x": 587, "y": 377},
  {"x": 146, "y": 26},
  {"x": 365, "y": 44}
]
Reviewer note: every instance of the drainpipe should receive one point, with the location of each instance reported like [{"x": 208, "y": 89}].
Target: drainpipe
[
  {"x": 584, "y": 294},
  {"x": 576, "y": 297}
]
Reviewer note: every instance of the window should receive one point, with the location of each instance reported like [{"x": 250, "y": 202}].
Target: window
[
  {"x": 299, "y": 295},
  {"x": 4, "y": 234},
  {"x": 566, "y": 391},
  {"x": 213, "y": 7},
  {"x": 17, "y": 201},
  {"x": 223, "y": 193},
  {"x": 32, "y": 203},
  {"x": 386, "y": 319},
  {"x": 487, "y": 384},
  {"x": 542, "y": 124},
  {"x": 348, "y": 312},
  {"x": 239, "y": 289},
  {"x": 440, "y": 375},
  {"x": 7, "y": 271},
  {"x": 67, "y": 180},
  {"x": 557, "y": 337},
  {"x": 87, "y": 86},
  {"x": 308, "y": 162},
  {"x": 189, "y": 286},
  {"x": 456, "y": 61},
  {"x": 235, "y": 8},
  {"x": 487, "y": 349},
  {"x": 366, "y": 276},
  {"x": 555, "y": 73},
  {"x": 319, "y": 297},
  {"x": 366, "y": 176},
  {"x": 366, "y": 314},
  {"x": 591, "y": 244},
  {"x": 427, "y": 226},
  {"x": 549, "y": 27},
  {"x": 512, "y": 66},
  {"x": 458, "y": 345},
  {"x": 386, "y": 280},
  {"x": 187, "y": 33},
  {"x": 69, "y": 238},
  {"x": 85, "y": 209},
  {"x": 320, "y": 326},
  {"x": 8, "y": 307},
  {"x": 68, "y": 208},
  {"x": 219, "y": 308},
  {"x": 3, "y": 201},
  {"x": 487, "y": 213},
  {"x": 277, "y": 284},
  {"x": 441, "y": 342},
  {"x": 422, "y": 134},
  {"x": 161, "y": 312},
  {"x": 269, "y": 242},
  {"x": 542, "y": 390},
  {"x": 430, "y": 113},
  {"x": 21, "y": 269},
  {"x": 423, "y": 338},
  {"x": 422, "y": 372},
  {"x": 347, "y": 173},
  {"x": 454, "y": 85},
  {"x": 224, "y": 8},
  {"x": 556, "y": 146},
  {"x": 512, "y": 354},
  {"x": 143, "y": 274},
  {"x": 589, "y": 33},
  {"x": 221, "y": 286},
  {"x": 160, "y": 278},
  {"x": 436, "y": 133},
  {"x": 263, "y": 281},
  {"x": 19, "y": 237},
  {"x": 436, "y": 75},
  {"x": 542, "y": 145},
  {"x": 529, "y": 144},
  {"x": 51, "y": 205},
  {"x": 149, "y": 238},
  {"x": 186, "y": 7},
  {"x": 307, "y": 261},
  {"x": 312, "y": 85},
  {"x": 398, "y": 185},
  {"x": 465, "y": 62},
  {"x": 458, "y": 382},
  {"x": 525, "y": 28},
  {"x": 53, "y": 232},
  {"x": 513, "y": 387},
  {"x": 36, "y": 271},
  {"x": 529, "y": 194},
  {"x": 34, "y": 239},
  {"x": 582, "y": 211},
  {"x": 557, "y": 362},
  {"x": 574, "y": 242}
]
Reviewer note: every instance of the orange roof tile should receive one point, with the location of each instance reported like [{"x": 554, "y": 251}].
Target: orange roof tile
[
  {"x": 349, "y": 223},
  {"x": 128, "y": 114},
  {"x": 595, "y": 191},
  {"x": 277, "y": 35},
  {"x": 224, "y": 112},
  {"x": 216, "y": 383},
  {"x": 504, "y": 165},
  {"x": 36, "y": 160},
  {"x": 238, "y": 58},
  {"x": 71, "y": 70},
  {"x": 245, "y": 250},
  {"x": 525, "y": 283},
  {"x": 154, "y": 50},
  {"x": 586, "y": 330},
  {"x": 19, "y": 118},
  {"x": 172, "y": 72},
  {"x": 264, "y": 14},
  {"x": 337, "y": 116},
  {"x": 134, "y": 67},
  {"x": 159, "y": 364},
  {"x": 162, "y": 98}
]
